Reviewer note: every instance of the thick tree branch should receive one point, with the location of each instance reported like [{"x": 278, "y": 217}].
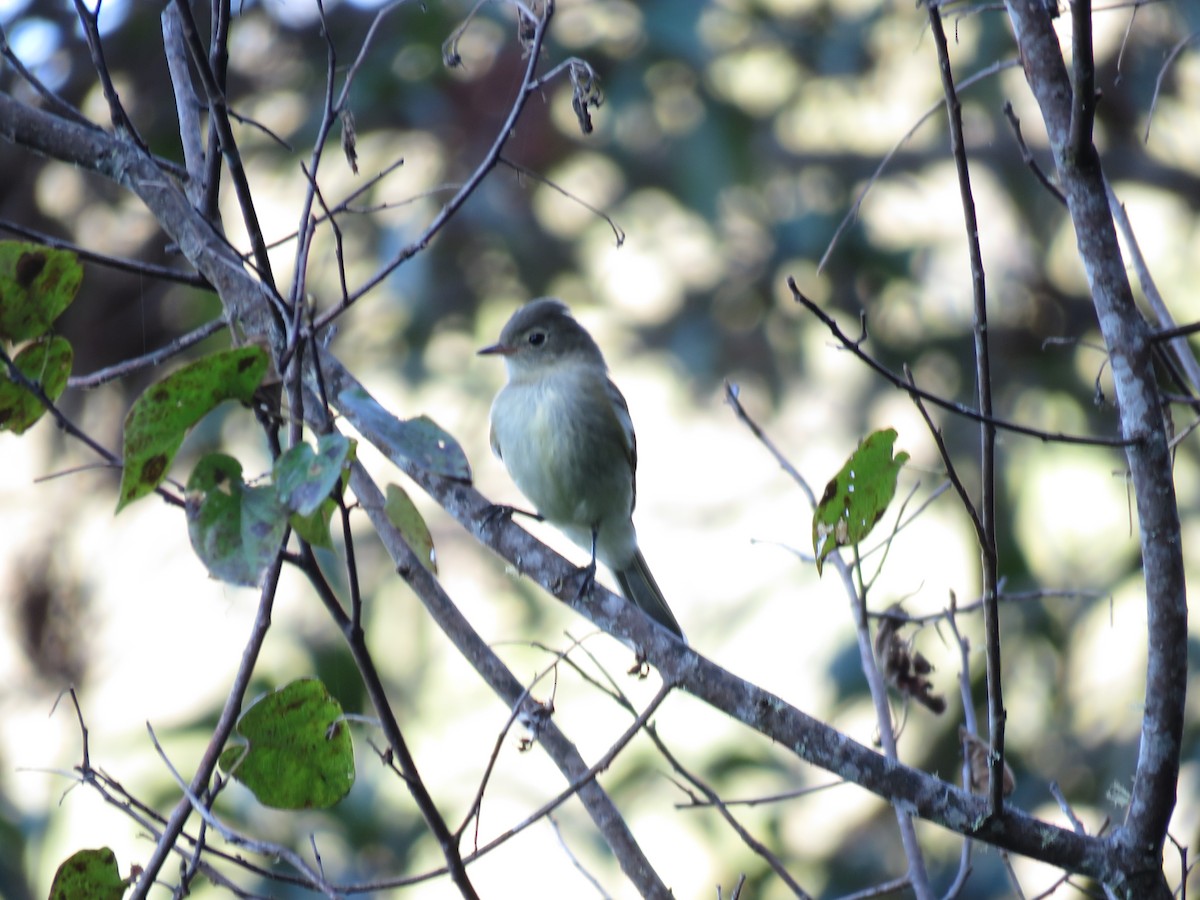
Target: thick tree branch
[
  {"x": 1130, "y": 860},
  {"x": 249, "y": 305},
  {"x": 1142, "y": 420},
  {"x": 810, "y": 739}
]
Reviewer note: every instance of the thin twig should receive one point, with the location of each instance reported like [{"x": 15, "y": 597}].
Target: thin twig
[
  {"x": 972, "y": 727},
  {"x": 489, "y": 162},
  {"x": 263, "y": 848},
  {"x": 854, "y": 347},
  {"x": 1163, "y": 320},
  {"x": 135, "y": 266},
  {"x": 783, "y": 797},
  {"x": 715, "y": 801},
  {"x": 148, "y": 360},
  {"x": 1056, "y": 791},
  {"x": 591, "y": 879},
  {"x": 19, "y": 378},
  {"x": 524, "y": 172},
  {"x": 54, "y": 103},
  {"x": 947, "y": 460},
  {"x": 878, "y": 690},
  {"x": 1029, "y": 159},
  {"x": 518, "y": 711},
  {"x": 90, "y": 20},
  {"x": 365, "y": 663},
  {"x": 852, "y": 213},
  {"x": 983, "y": 516},
  {"x": 219, "y": 117},
  {"x": 733, "y": 398},
  {"x": 1179, "y": 47},
  {"x": 224, "y": 727}
]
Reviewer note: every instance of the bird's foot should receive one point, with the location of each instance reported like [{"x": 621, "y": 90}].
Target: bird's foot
[
  {"x": 499, "y": 512},
  {"x": 587, "y": 578},
  {"x": 640, "y": 667}
]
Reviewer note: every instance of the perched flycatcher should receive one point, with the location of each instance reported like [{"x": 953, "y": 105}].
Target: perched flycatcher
[{"x": 563, "y": 431}]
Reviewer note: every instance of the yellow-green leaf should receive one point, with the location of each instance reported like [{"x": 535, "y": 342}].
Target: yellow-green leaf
[
  {"x": 404, "y": 515},
  {"x": 857, "y": 497},
  {"x": 296, "y": 751}
]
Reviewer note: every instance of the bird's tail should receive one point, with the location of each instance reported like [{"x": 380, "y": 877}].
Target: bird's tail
[{"x": 639, "y": 586}]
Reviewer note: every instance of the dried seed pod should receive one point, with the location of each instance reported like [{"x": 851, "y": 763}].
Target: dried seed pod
[
  {"x": 977, "y": 753},
  {"x": 904, "y": 668}
]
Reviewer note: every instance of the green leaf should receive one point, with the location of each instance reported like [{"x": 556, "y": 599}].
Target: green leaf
[
  {"x": 404, "y": 515},
  {"x": 162, "y": 416},
  {"x": 858, "y": 495},
  {"x": 314, "y": 527},
  {"x": 47, "y": 362},
  {"x": 235, "y": 529},
  {"x": 297, "y": 752},
  {"x": 420, "y": 441},
  {"x": 36, "y": 284},
  {"x": 88, "y": 873},
  {"x": 304, "y": 477}
]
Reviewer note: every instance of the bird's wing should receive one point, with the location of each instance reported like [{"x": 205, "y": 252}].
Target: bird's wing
[
  {"x": 495, "y": 442},
  {"x": 621, "y": 410}
]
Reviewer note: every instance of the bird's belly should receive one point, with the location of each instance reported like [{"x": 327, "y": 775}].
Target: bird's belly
[{"x": 577, "y": 476}]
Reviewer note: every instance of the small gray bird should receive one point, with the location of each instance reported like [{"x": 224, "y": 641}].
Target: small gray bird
[{"x": 563, "y": 431}]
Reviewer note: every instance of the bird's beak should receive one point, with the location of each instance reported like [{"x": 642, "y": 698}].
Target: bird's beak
[{"x": 497, "y": 350}]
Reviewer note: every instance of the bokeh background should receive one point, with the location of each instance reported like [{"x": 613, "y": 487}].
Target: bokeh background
[{"x": 734, "y": 140}]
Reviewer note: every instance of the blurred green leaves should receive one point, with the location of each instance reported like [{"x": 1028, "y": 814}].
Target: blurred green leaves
[
  {"x": 46, "y": 363},
  {"x": 88, "y": 873},
  {"x": 235, "y": 529},
  {"x": 404, "y": 515},
  {"x": 36, "y": 285}
]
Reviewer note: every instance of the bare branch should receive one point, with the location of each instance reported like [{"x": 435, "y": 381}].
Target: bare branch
[
  {"x": 149, "y": 360},
  {"x": 1127, "y": 336},
  {"x": 490, "y": 161}
]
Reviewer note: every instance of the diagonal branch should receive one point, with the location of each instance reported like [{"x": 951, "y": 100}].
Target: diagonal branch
[
  {"x": 365, "y": 663},
  {"x": 808, "y": 738},
  {"x": 219, "y": 116},
  {"x": 208, "y": 762},
  {"x": 249, "y": 305},
  {"x": 597, "y": 802}
]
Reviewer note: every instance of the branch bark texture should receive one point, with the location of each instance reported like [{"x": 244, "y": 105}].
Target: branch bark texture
[{"x": 1127, "y": 336}]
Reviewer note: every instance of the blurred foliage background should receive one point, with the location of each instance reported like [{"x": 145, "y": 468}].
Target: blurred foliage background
[{"x": 734, "y": 141}]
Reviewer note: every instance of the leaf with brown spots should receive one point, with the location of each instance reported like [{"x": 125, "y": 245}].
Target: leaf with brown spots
[
  {"x": 235, "y": 529},
  {"x": 295, "y": 750},
  {"x": 46, "y": 363},
  {"x": 857, "y": 497},
  {"x": 89, "y": 873},
  {"x": 161, "y": 418},
  {"x": 36, "y": 284}
]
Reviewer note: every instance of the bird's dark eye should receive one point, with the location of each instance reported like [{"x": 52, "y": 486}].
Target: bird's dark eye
[{"x": 537, "y": 338}]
